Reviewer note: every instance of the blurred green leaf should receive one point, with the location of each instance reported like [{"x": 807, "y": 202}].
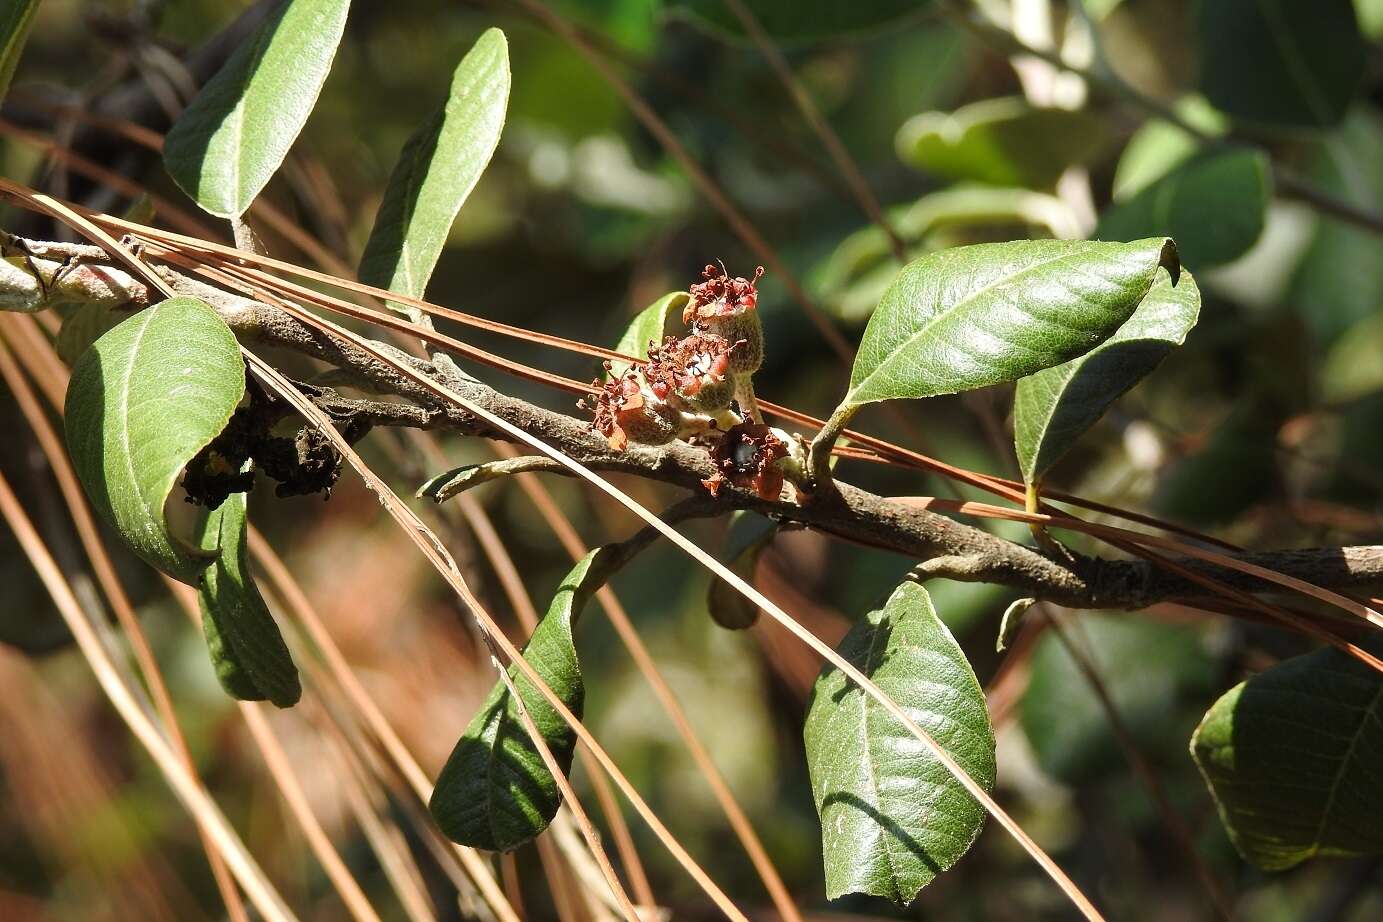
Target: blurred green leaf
[
  {"x": 995, "y": 312},
  {"x": 648, "y": 327},
  {"x": 495, "y": 791},
  {"x": 16, "y": 19},
  {"x": 1294, "y": 756},
  {"x": 143, "y": 400},
  {"x": 1280, "y": 62},
  {"x": 226, "y": 145},
  {"x": 437, "y": 170},
  {"x": 800, "y": 20},
  {"x": 750, "y": 535},
  {"x": 1159, "y": 146},
  {"x": 249, "y": 655},
  {"x": 1003, "y": 142},
  {"x": 1054, "y": 407},
  {"x": 1151, "y": 670},
  {"x": 1354, "y": 365},
  {"x": 1233, "y": 470},
  {"x": 892, "y": 816},
  {"x": 1339, "y": 280},
  {"x": 1214, "y": 205}
]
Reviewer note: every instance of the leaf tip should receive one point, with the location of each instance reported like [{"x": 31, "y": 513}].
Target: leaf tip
[{"x": 1169, "y": 259}]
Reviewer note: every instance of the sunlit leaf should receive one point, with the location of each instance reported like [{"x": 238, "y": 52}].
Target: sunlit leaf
[
  {"x": 143, "y": 400},
  {"x": 750, "y": 535},
  {"x": 799, "y": 20},
  {"x": 229, "y": 141},
  {"x": 1213, "y": 204},
  {"x": 1157, "y": 147},
  {"x": 892, "y": 816},
  {"x": 1294, "y": 757},
  {"x": 1052, "y": 408},
  {"x": 1003, "y": 142},
  {"x": 648, "y": 327},
  {"x": 994, "y": 312},
  {"x": 16, "y": 19},
  {"x": 249, "y": 655},
  {"x": 495, "y": 792},
  {"x": 1280, "y": 62},
  {"x": 437, "y": 170}
]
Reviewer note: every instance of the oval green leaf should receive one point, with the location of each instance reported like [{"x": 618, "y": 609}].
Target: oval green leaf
[
  {"x": 16, "y": 19},
  {"x": 226, "y": 145},
  {"x": 648, "y": 327},
  {"x": 1054, "y": 407},
  {"x": 495, "y": 791},
  {"x": 439, "y": 166},
  {"x": 143, "y": 400},
  {"x": 1280, "y": 62},
  {"x": 1293, "y": 758},
  {"x": 1003, "y": 142},
  {"x": 247, "y": 650},
  {"x": 892, "y": 816},
  {"x": 1214, "y": 205},
  {"x": 985, "y": 314}
]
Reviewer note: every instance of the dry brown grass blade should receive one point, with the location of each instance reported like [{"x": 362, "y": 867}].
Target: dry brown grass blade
[
  {"x": 260, "y": 891},
  {"x": 971, "y": 786},
  {"x": 111, "y": 587},
  {"x": 441, "y": 561},
  {"x": 561, "y": 527},
  {"x": 1224, "y": 908}
]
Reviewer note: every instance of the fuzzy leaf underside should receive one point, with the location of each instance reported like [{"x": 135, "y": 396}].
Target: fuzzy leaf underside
[{"x": 1052, "y": 408}]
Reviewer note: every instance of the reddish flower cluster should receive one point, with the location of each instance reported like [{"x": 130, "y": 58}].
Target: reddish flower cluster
[
  {"x": 747, "y": 456},
  {"x": 721, "y": 296},
  {"x": 693, "y": 368},
  {"x": 622, "y": 413}
]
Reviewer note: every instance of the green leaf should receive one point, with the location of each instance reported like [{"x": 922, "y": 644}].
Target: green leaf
[
  {"x": 1280, "y": 62},
  {"x": 1052, "y": 408},
  {"x": 1294, "y": 756},
  {"x": 16, "y": 19},
  {"x": 994, "y": 312},
  {"x": 1156, "y": 674},
  {"x": 143, "y": 400},
  {"x": 249, "y": 655},
  {"x": 648, "y": 327},
  {"x": 1158, "y": 146},
  {"x": 1213, "y": 204},
  {"x": 495, "y": 792},
  {"x": 801, "y": 20},
  {"x": 1003, "y": 142},
  {"x": 226, "y": 145},
  {"x": 892, "y": 816},
  {"x": 1339, "y": 280},
  {"x": 438, "y": 168},
  {"x": 1354, "y": 365},
  {"x": 750, "y": 535}
]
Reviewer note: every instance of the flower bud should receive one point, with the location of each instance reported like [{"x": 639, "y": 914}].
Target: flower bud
[
  {"x": 728, "y": 307},
  {"x": 625, "y": 412}
]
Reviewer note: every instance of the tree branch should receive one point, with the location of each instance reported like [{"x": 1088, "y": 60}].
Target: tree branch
[{"x": 947, "y": 548}]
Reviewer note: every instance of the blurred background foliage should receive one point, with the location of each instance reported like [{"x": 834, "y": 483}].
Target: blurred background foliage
[{"x": 1266, "y": 427}]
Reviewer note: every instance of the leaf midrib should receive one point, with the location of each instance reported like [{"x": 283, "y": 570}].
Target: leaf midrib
[
  {"x": 1343, "y": 769},
  {"x": 948, "y": 312}
]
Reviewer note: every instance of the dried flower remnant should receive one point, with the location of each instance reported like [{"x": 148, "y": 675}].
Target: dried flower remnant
[
  {"x": 692, "y": 371},
  {"x": 747, "y": 457},
  {"x": 728, "y": 306},
  {"x": 624, "y": 412}
]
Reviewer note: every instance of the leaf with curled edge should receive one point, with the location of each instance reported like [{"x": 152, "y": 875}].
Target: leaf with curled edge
[
  {"x": 1052, "y": 408},
  {"x": 495, "y": 792},
  {"x": 1294, "y": 756},
  {"x": 986, "y": 314},
  {"x": 892, "y": 816},
  {"x": 142, "y": 401}
]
